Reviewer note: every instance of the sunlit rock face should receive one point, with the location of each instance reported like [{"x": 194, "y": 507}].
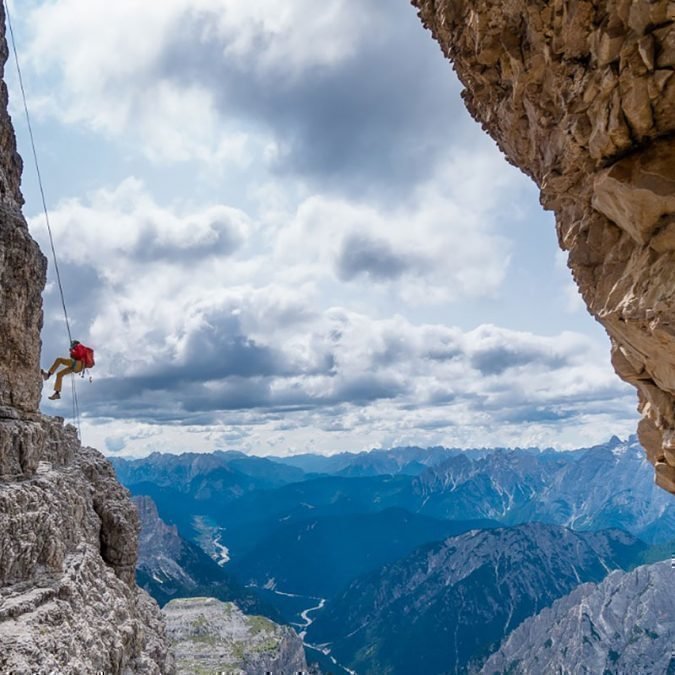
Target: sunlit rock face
[
  {"x": 210, "y": 636},
  {"x": 68, "y": 531},
  {"x": 580, "y": 94}
]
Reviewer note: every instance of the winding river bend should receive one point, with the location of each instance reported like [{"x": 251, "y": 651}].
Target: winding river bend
[{"x": 322, "y": 652}]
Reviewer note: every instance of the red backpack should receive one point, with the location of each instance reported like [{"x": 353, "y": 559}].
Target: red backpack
[
  {"x": 83, "y": 353},
  {"x": 88, "y": 359}
]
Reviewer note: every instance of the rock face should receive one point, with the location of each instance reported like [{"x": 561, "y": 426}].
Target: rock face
[
  {"x": 623, "y": 625},
  {"x": 580, "y": 94},
  {"x": 68, "y": 531},
  {"x": 22, "y": 267},
  {"x": 68, "y": 598},
  {"x": 160, "y": 546},
  {"x": 209, "y": 636}
]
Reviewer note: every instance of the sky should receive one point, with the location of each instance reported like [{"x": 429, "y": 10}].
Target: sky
[{"x": 281, "y": 232}]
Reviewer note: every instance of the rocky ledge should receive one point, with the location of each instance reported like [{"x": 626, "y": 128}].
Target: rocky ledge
[
  {"x": 68, "y": 599},
  {"x": 580, "y": 94},
  {"x": 209, "y": 636}
]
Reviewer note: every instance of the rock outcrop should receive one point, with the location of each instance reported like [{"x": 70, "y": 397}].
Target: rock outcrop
[
  {"x": 210, "y": 636},
  {"x": 68, "y": 531},
  {"x": 580, "y": 94},
  {"x": 623, "y": 625}
]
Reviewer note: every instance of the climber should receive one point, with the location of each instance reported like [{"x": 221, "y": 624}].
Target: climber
[{"x": 81, "y": 357}]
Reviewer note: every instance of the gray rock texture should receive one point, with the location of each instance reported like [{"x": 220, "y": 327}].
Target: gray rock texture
[
  {"x": 68, "y": 531},
  {"x": 624, "y": 625},
  {"x": 68, "y": 600},
  {"x": 160, "y": 546},
  {"x": 23, "y": 268},
  {"x": 580, "y": 94},
  {"x": 209, "y": 636}
]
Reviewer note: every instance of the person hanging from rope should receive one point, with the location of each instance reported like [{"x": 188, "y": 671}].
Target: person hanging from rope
[{"x": 81, "y": 357}]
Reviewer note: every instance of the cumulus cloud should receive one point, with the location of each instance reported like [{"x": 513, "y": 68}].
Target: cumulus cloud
[
  {"x": 442, "y": 245},
  {"x": 126, "y": 224},
  {"x": 307, "y": 312},
  {"x": 384, "y": 387},
  {"x": 311, "y": 87},
  {"x": 360, "y": 254},
  {"x": 193, "y": 325}
]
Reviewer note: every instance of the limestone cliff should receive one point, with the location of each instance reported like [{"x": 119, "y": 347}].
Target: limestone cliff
[
  {"x": 580, "y": 94},
  {"x": 68, "y": 531}
]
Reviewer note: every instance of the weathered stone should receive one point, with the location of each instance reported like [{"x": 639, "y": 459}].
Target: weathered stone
[
  {"x": 636, "y": 106},
  {"x": 586, "y": 108},
  {"x": 664, "y": 239},
  {"x": 637, "y": 194},
  {"x": 22, "y": 273},
  {"x": 22, "y": 276},
  {"x": 665, "y": 476},
  {"x": 646, "y": 47},
  {"x": 82, "y": 620},
  {"x": 210, "y": 636},
  {"x": 665, "y": 38},
  {"x": 67, "y": 558},
  {"x": 651, "y": 439}
]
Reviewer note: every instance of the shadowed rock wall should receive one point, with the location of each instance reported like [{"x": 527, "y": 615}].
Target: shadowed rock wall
[
  {"x": 580, "y": 95},
  {"x": 22, "y": 272}
]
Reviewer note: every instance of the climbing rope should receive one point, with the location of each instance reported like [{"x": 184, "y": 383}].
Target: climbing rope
[{"x": 76, "y": 406}]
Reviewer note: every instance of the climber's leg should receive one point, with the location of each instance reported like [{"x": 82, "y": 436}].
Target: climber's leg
[
  {"x": 62, "y": 373},
  {"x": 58, "y": 362}
]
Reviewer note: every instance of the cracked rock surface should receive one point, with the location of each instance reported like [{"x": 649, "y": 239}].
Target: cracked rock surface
[
  {"x": 622, "y": 625},
  {"x": 580, "y": 95},
  {"x": 210, "y": 636}
]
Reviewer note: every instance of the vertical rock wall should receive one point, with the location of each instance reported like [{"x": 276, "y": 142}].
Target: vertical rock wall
[
  {"x": 580, "y": 94},
  {"x": 68, "y": 530},
  {"x": 22, "y": 268}
]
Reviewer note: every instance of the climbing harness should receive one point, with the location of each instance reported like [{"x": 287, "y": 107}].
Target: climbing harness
[{"x": 76, "y": 406}]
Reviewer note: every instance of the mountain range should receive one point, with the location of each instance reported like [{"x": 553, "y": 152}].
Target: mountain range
[
  {"x": 408, "y": 560},
  {"x": 448, "y": 605},
  {"x": 248, "y": 494}
]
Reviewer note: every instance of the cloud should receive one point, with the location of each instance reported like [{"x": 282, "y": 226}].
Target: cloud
[
  {"x": 362, "y": 215},
  {"x": 373, "y": 257},
  {"x": 126, "y": 224},
  {"x": 500, "y": 358},
  {"x": 441, "y": 245},
  {"x": 312, "y": 88},
  {"x": 115, "y": 444},
  {"x": 210, "y": 330}
]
